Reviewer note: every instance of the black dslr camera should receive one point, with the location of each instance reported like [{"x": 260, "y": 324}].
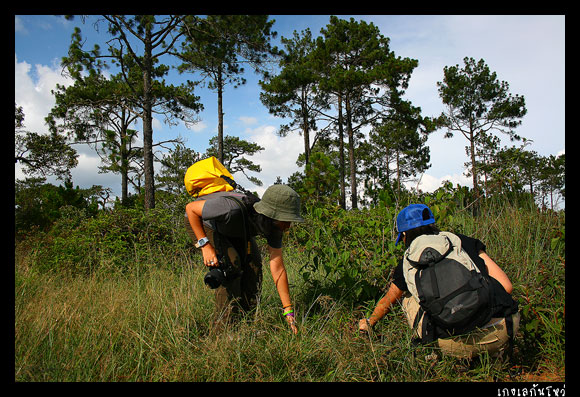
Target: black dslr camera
[{"x": 218, "y": 275}]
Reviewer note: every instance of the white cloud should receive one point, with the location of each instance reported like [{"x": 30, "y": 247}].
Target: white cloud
[
  {"x": 198, "y": 126},
  {"x": 156, "y": 124},
  {"x": 19, "y": 25},
  {"x": 34, "y": 94},
  {"x": 248, "y": 120},
  {"x": 429, "y": 183},
  {"x": 86, "y": 173},
  {"x": 278, "y": 157}
]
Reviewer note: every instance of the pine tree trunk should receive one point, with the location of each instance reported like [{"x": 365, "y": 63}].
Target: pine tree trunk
[
  {"x": 148, "y": 126},
  {"x": 220, "y": 119},
  {"x": 341, "y": 155},
  {"x": 351, "y": 156}
]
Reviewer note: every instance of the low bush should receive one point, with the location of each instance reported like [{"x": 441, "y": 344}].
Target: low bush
[
  {"x": 112, "y": 241},
  {"x": 120, "y": 296}
]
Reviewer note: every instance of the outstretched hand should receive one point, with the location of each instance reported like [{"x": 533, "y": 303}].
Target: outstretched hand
[
  {"x": 363, "y": 325},
  {"x": 209, "y": 256},
  {"x": 292, "y": 323}
]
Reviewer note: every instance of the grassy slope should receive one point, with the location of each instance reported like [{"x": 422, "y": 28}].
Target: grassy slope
[{"x": 153, "y": 323}]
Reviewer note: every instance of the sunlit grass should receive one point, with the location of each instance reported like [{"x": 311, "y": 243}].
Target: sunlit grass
[{"x": 153, "y": 322}]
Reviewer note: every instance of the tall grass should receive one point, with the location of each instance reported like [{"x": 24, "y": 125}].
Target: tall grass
[
  {"x": 157, "y": 327},
  {"x": 153, "y": 320},
  {"x": 529, "y": 246}
]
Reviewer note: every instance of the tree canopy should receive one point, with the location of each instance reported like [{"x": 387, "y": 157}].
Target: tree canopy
[{"x": 343, "y": 91}]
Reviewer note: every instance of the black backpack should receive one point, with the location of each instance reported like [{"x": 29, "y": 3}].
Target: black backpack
[
  {"x": 454, "y": 296},
  {"x": 246, "y": 203}
]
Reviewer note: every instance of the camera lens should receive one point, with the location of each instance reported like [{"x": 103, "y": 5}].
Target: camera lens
[{"x": 214, "y": 278}]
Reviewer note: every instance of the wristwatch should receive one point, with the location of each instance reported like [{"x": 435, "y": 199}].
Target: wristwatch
[{"x": 201, "y": 242}]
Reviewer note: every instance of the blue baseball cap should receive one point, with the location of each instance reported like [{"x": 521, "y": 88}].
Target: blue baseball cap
[{"x": 413, "y": 216}]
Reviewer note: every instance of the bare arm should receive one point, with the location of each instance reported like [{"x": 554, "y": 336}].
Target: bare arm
[
  {"x": 383, "y": 307},
  {"x": 496, "y": 272},
  {"x": 280, "y": 278},
  {"x": 194, "y": 213},
  {"x": 279, "y": 275}
]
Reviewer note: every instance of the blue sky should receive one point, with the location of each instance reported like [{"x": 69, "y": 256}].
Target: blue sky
[{"x": 527, "y": 51}]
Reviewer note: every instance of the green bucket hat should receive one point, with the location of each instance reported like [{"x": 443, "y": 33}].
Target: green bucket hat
[{"x": 281, "y": 203}]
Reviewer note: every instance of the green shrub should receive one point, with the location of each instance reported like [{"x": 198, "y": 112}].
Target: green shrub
[
  {"x": 353, "y": 251},
  {"x": 148, "y": 316},
  {"x": 112, "y": 241}
]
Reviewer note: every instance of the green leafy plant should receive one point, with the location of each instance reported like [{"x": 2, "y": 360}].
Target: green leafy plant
[
  {"x": 110, "y": 242},
  {"x": 353, "y": 251}
]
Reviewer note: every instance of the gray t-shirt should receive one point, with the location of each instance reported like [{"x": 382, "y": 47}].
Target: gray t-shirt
[{"x": 225, "y": 217}]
